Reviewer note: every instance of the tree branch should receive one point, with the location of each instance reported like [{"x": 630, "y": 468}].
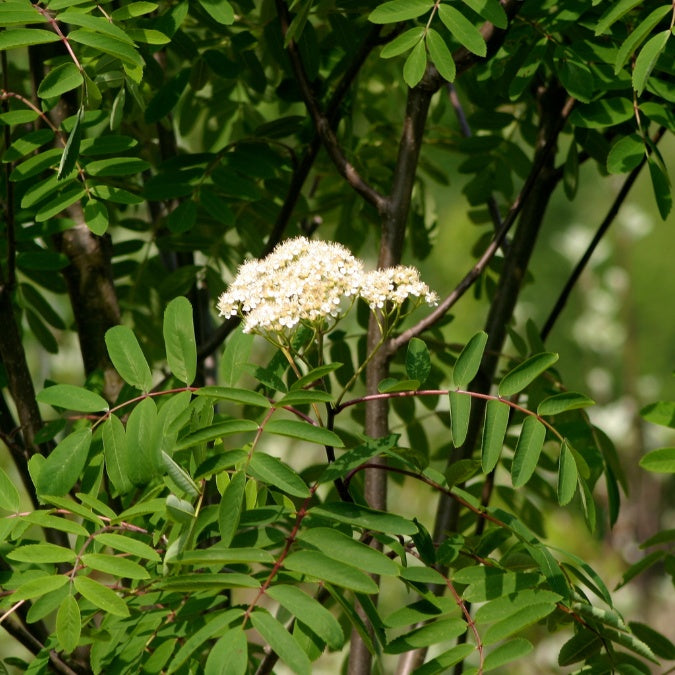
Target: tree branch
[
  {"x": 322, "y": 123},
  {"x": 600, "y": 233},
  {"x": 472, "y": 275}
]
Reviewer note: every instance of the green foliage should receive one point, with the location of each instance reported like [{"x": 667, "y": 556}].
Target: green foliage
[{"x": 186, "y": 505}]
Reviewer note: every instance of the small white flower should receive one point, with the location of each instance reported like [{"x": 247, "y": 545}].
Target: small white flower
[{"x": 311, "y": 282}]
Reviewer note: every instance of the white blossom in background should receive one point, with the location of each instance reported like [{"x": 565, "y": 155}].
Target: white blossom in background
[
  {"x": 313, "y": 283},
  {"x": 394, "y": 285}
]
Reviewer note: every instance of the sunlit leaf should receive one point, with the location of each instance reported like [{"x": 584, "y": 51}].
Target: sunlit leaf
[
  {"x": 63, "y": 466},
  {"x": 316, "y": 565},
  {"x": 128, "y": 358},
  {"x": 399, "y": 10},
  {"x": 661, "y": 460},
  {"x": 528, "y": 449},
  {"x": 415, "y": 65},
  {"x": 311, "y": 612},
  {"x": 101, "y": 596},
  {"x": 281, "y": 641},
  {"x": 525, "y": 373},
  {"x": 68, "y": 624},
  {"x": 494, "y": 431},
  {"x": 460, "y": 410},
  {"x": 274, "y": 472},
  {"x": 70, "y": 397},
  {"x": 462, "y": 29},
  {"x": 340, "y": 546},
  {"x": 303, "y": 431},
  {"x": 417, "y": 360},
  {"x": 567, "y": 475}
]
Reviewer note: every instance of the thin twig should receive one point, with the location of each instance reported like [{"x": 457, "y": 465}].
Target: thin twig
[
  {"x": 473, "y": 274},
  {"x": 491, "y": 202},
  {"x": 600, "y": 233},
  {"x": 322, "y": 123}
]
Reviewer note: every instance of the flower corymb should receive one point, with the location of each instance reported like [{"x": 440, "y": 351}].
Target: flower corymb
[{"x": 312, "y": 282}]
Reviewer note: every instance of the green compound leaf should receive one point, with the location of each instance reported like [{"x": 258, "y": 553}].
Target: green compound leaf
[
  {"x": 580, "y": 647},
  {"x": 196, "y": 639},
  {"x": 661, "y": 460},
  {"x": 281, "y": 642},
  {"x": 637, "y": 36},
  {"x": 462, "y": 29},
  {"x": 9, "y": 495},
  {"x": 415, "y": 65},
  {"x": 605, "y": 112},
  {"x": 441, "y": 56},
  {"x": 215, "y": 431},
  {"x": 468, "y": 361},
  {"x": 103, "y": 597},
  {"x": 61, "y": 79},
  {"x": 236, "y": 395},
  {"x": 219, "y": 10},
  {"x": 402, "y": 43},
  {"x": 96, "y": 216},
  {"x": 179, "y": 340},
  {"x": 19, "y": 13},
  {"x": 442, "y": 662},
  {"x": 567, "y": 475},
  {"x": 122, "y": 50},
  {"x": 507, "y": 652},
  {"x": 525, "y": 373},
  {"x": 319, "y": 566},
  {"x": 68, "y": 624},
  {"x": 39, "y": 586},
  {"x": 179, "y": 475},
  {"x": 494, "y": 431},
  {"x": 399, "y": 10},
  {"x": 60, "y": 471},
  {"x": 362, "y": 516},
  {"x": 128, "y": 545},
  {"x": 527, "y": 451},
  {"x": 143, "y": 454},
  {"x": 303, "y": 397},
  {"x": 231, "y": 505},
  {"x": 116, "y": 166},
  {"x": 116, "y": 453},
  {"x": 311, "y": 612},
  {"x": 357, "y": 456},
  {"x": 25, "y": 37},
  {"x": 42, "y": 553},
  {"x": 70, "y": 397},
  {"x": 276, "y": 474},
  {"x": 339, "y": 546},
  {"x": 417, "y": 360},
  {"x": 460, "y": 411},
  {"x": 229, "y": 656},
  {"x": 559, "y": 403},
  {"x": 659, "y": 644},
  {"x": 115, "y": 565},
  {"x": 507, "y": 605},
  {"x": 647, "y": 58},
  {"x": 660, "y": 412},
  {"x": 127, "y": 357},
  {"x": 429, "y": 634},
  {"x": 625, "y": 154},
  {"x": 615, "y": 11},
  {"x": 304, "y": 431},
  {"x": 490, "y": 10},
  {"x": 68, "y": 160},
  {"x": 521, "y": 619}
]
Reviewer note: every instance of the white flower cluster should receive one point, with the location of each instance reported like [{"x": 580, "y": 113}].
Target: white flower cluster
[{"x": 305, "y": 281}]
